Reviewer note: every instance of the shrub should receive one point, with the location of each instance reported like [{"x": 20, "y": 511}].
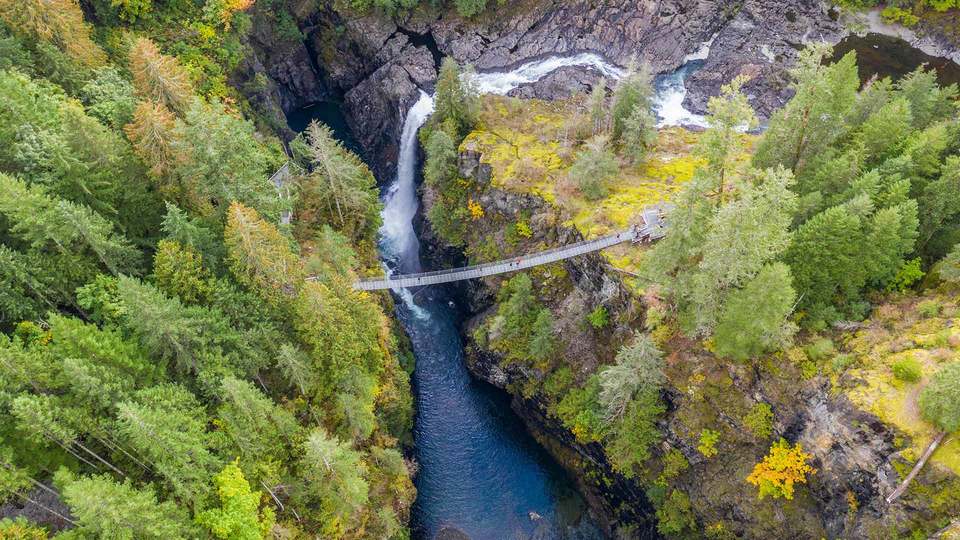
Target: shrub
[
  {"x": 674, "y": 463},
  {"x": 908, "y": 274},
  {"x": 820, "y": 349},
  {"x": 929, "y": 308},
  {"x": 783, "y": 467},
  {"x": 907, "y": 369},
  {"x": 708, "y": 442},
  {"x": 841, "y": 362},
  {"x": 598, "y": 318},
  {"x": 675, "y": 515},
  {"x": 940, "y": 399},
  {"x": 759, "y": 420}
]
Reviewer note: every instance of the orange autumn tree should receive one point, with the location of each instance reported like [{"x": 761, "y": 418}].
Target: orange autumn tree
[{"x": 783, "y": 467}]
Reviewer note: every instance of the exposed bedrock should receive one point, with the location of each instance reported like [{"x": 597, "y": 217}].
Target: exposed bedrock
[{"x": 376, "y": 66}]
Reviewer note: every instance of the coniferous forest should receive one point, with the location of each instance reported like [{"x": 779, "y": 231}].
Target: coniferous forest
[{"x": 184, "y": 352}]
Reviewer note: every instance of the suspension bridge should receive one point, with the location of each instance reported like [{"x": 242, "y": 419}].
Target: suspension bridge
[{"x": 652, "y": 228}]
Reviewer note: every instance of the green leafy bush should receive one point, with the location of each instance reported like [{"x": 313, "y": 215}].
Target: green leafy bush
[
  {"x": 760, "y": 420},
  {"x": 907, "y": 369},
  {"x": 599, "y": 317}
]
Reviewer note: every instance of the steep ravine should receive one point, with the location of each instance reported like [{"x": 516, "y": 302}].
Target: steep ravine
[{"x": 377, "y": 67}]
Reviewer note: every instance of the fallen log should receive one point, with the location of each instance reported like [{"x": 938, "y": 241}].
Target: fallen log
[{"x": 916, "y": 468}]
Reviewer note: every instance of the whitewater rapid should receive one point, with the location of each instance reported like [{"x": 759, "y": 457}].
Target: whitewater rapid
[{"x": 480, "y": 471}]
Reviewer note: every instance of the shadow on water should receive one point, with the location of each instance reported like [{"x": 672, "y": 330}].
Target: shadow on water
[{"x": 886, "y": 56}]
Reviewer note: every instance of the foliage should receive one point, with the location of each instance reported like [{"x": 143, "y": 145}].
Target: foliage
[
  {"x": 633, "y": 93},
  {"x": 675, "y": 515},
  {"x": 598, "y": 318},
  {"x": 759, "y": 420},
  {"x": 340, "y": 190},
  {"x": 59, "y": 22},
  {"x": 631, "y": 438},
  {"x": 940, "y": 399},
  {"x": 639, "y": 368},
  {"x": 159, "y": 78},
  {"x": 21, "y": 529},
  {"x": 238, "y": 516},
  {"x": 907, "y": 369},
  {"x": 581, "y": 412},
  {"x": 456, "y": 101},
  {"x": 753, "y": 319},
  {"x": 522, "y": 329},
  {"x": 708, "y": 442},
  {"x": 595, "y": 165},
  {"x": 104, "y": 508},
  {"x": 780, "y": 470}
]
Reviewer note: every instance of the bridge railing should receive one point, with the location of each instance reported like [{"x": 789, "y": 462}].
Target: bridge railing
[{"x": 625, "y": 235}]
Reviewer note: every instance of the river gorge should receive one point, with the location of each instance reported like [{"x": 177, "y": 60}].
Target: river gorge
[{"x": 480, "y": 474}]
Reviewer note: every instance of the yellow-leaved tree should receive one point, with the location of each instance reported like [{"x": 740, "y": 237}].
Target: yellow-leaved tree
[
  {"x": 783, "y": 467},
  {"x": 158, "y": 77},
  {"x": 56, "y": 21}
]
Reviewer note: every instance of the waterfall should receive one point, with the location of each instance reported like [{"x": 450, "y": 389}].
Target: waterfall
[{"x": 480, "y": 472}]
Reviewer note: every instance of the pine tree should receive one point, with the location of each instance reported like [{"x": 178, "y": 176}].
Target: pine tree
[
  {"x": 261, "y": 431},
  {"x": 158, "y": 77},
  {"x": 814, "y": 119},
  {"x": 260, "y": 257},
  {"x": 332, "y": 476},
  {"x": 597, "y": 106},
  {"x": 167, "y": 425},
  {"x": 753, "y": 319},
  {"x": 722, "y": 145},
  {"x": 595, "y": 165},
  {"x": 44, "y": 222},
  {"x": 341, "y": 189},
  {"x": 929, "y": 102},
  {"x": 59, "y": 22},
  {"x": 886, "y": 130},
  {"x": 456, "y": 101},
  {"x": 940, "y": 399},
  {"x": 639, "y": 368},
  {"x": 825, "y": 258},
  {"x": 221, "y": 160},
  {"x": 104, "y": 508},
  {"x": 152, "y": 134},
  {"x": 634, "y": 90}
]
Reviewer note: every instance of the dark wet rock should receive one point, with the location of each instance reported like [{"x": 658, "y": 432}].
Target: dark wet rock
[
  {"x": 375, "y": 108},
  {"x": 560, "y": 84},
  {"x": 761, "y": 41},
  {"x": 41, "y": 510}
]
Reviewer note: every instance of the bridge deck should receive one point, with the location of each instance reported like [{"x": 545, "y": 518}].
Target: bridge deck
[{"x": 652, "y": 230}]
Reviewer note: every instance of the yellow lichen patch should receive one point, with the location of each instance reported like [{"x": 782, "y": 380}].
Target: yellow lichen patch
[
  {"x": 529, "y": 146},
  {"x": 929, "y": 342}
]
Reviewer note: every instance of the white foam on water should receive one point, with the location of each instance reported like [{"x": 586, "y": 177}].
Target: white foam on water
[{"x": 533, "y": 71}]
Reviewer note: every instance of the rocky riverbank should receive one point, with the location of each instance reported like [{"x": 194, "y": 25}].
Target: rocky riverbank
[{"x": 376, "y": 66}]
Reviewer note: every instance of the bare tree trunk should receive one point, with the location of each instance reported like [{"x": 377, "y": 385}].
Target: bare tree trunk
[{"x": 916, "y": 468}]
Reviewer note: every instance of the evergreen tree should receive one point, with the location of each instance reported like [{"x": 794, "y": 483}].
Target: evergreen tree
[
  {"x": 814, "y": 118},
  {"x": 104, "y": 508},
  {"x": 825, "y": 259},
  {"x": 153, "y": 137},
  {"x": 940, "y": 399},
  {"x": 332, "y": 476},
  {"x": 456, "y": 101},
  {"x": 753, "y": 319},
  {"x": 167, "y": 425},
  {"x": 634, "y": 91},
  {"x": 929, "y": 102},
  {"x": 222, "y": 161},
  {"x": 597, "y": 107},
  {"x": 158, "y": 77},
  {"x": 260, "y": 257},
  {"x": 341, "y": 190},
  {"x": 261, "y": 431},
  {"x": 594, "y": 167},
  {"x": 59, "y": 22},
  {"x": 639, "y": 368}
]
